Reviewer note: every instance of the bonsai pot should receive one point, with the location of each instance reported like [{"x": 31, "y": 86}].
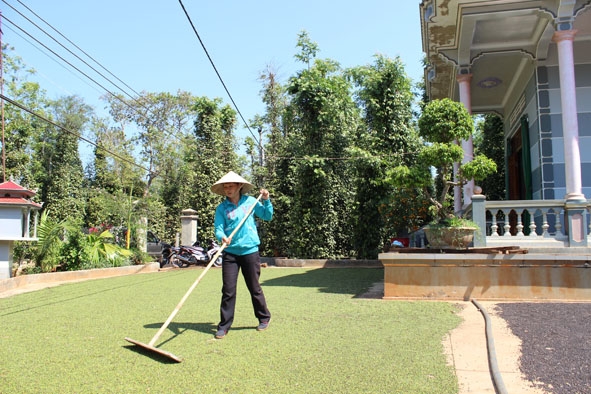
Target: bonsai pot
[{"x": 443, "y": 237}]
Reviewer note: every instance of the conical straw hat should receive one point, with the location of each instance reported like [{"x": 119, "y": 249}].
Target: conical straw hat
[{"x": 230, "y": 177}]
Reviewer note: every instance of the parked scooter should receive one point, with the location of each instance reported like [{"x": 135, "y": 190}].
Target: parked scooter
[
  {"x": 197, "y": 255},
  {"x": 169, "y": 255}
]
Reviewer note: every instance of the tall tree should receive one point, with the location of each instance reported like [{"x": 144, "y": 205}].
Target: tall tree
[
  {"x": 21, "y": 129},
  {"x": 161, "y": 120},
  {"x": 388, "y": 139},
  {"x": 113, "y": 178},
  {"x": 208, "y": 154},
  {"x": 158, "y": 125},
  {"x": 308, "y": 48},
  {"x": 62, "y": 187},
  {"x": 325, "y": 117},
  {"x": 113, "y": 167},
  {"x": 275, "y": 173}
]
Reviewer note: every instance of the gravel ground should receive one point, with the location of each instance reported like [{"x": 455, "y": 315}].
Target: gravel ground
[{"x": 556, "y": 344}]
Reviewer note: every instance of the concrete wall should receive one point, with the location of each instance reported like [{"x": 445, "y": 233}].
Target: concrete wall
[{"x": 7, "y": 285}]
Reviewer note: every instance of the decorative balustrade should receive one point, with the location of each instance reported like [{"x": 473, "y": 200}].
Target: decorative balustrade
[{"x": 528, "y": 223}]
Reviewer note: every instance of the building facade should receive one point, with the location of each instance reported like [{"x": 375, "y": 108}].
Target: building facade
[{"x": 530, "y": 63}]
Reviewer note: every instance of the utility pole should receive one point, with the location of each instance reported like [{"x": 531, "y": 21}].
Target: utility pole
[
  {"x": 261, "y": 151},
  {"x": 2, "y": 103},
  {"x": 261, "y": 157}
]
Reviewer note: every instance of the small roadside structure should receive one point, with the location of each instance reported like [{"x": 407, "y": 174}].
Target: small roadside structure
[{"x": 15, "y": 220}]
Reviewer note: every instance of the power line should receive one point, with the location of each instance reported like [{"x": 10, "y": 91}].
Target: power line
[
  {"x": 335, "y": 158},
  {"x": 315, "y": 158},
  {"x": 349, "y": 158},
  {"x": 134, "y": 99},
  {"x": 47, "y": 54},
  {"x": 70, "y": 41},
  {"x": 139, "y": 104},
  {"x": 144, "y": 115},
  {"x": 64, "y": 60},
  {"x": 63, "y": 46},
  {"x": 73, "y": 66},
  {"x": 134, "y": 108},
  {"x": 22, "y": 107},
  {"x": 217, "y": 73}
]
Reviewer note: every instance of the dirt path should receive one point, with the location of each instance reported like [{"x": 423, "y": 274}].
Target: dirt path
[{"x": 466, "y": 349}]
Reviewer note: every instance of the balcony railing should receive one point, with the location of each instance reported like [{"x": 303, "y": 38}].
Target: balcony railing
[{"x": 531, "y": 223}]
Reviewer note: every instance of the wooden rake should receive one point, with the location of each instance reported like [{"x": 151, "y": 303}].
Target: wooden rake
[{"x": 150, "y": 345}]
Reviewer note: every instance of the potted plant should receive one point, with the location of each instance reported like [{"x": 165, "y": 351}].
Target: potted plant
[{"x": 443, "y": 125}]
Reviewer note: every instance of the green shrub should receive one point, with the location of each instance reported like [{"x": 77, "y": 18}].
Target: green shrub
[
  {"x": 139, "y": 257},
  {"x": 73, "y": 252}
]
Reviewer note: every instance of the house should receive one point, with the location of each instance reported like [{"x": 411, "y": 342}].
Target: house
[{"x": 530, "y": 63}]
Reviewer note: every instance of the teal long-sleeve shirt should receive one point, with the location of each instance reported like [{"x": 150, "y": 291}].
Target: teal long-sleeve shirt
[{"x": 227, "y": 217}]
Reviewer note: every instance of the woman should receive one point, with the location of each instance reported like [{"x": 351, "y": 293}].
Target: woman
[{"x": 242, "y": 250}]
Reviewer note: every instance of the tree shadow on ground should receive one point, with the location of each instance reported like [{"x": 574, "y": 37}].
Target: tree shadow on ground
[
  {"x": 71, "y": 291},
  {"x": 354, "y": 281}
]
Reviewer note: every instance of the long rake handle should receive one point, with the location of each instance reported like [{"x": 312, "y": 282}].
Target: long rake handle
[{"x": 188, "y": 293}]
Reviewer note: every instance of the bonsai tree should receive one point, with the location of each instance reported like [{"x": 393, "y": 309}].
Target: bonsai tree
[{"x": 443, "y": 124}]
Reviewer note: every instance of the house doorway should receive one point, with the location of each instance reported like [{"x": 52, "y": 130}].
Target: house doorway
[
  {"x": 519, "y": 172},
  {"x": 515, "y": 170}
]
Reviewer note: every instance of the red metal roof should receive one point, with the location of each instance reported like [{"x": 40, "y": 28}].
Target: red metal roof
[
  {"x": 18, "y": 201},
  {"x": 10, "y": 186},
  {"x": 14, "y": 194}
]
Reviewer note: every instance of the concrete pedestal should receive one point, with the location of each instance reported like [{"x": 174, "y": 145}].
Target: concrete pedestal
[
  {"x": 188, "y": 227},
  {"x": 450, "y": 276}
]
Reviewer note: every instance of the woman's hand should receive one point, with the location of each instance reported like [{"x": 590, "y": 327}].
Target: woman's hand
[{"x": 265, "y": 194}]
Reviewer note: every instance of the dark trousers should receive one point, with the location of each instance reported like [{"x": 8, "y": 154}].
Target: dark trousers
[{"x": 251, "y": 271}]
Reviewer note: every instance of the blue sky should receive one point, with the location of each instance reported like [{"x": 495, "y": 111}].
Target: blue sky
[{"x": 150, "y": 45}]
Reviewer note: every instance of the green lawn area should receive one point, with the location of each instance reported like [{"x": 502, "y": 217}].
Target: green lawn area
[{"x": 322, "y": 337}]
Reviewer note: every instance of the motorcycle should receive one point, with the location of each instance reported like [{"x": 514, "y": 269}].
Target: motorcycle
[
  {"x": 169, "y": 255},
  {"x": 197, "y": 255}
]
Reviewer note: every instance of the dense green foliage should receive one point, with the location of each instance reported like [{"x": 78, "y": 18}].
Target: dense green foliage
[
  {"x": 442, "y": 124},
  {"x": 386, "y": 140},
  {"x": 323, "y": 338},
  {"x": 333, "y": 143},
  {"x": 324, "y": 120},
  {"x": 490, "y": 142},
  {"x": 62, "y": 245},
  {"x": 61, "y": 187}
]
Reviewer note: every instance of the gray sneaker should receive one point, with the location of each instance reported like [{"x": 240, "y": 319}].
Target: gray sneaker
[
  {"x": 263, "y": 324},
  {"x": 220, "y": 334}
]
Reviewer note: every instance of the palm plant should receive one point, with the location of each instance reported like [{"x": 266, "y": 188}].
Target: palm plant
[
  {"x": 100, "y": 248},
  {"x": 55, "y": 238},
  {"x": 51, "y": 236}
]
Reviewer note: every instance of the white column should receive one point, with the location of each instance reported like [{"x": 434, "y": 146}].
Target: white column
[
  {"x": 568, "y": 98},
  {"x": 466, "y": 99}
]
